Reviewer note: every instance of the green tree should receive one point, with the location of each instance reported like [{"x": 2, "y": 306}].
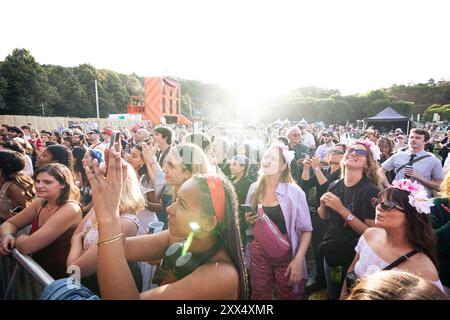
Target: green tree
[
  {"x": 186, "y": 105},
  {"x": 3, "y": 85},
  {"x": 26, "y": 83}
]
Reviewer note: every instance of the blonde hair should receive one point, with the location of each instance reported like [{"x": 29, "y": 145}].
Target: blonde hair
[
  {"x": 285, "y": 177},
  {"x": 131, "y": 200},
  {"x": 445, "y": 185},
  {"x": 395, "y": 285},
  {"x": 372, "y": 172}
]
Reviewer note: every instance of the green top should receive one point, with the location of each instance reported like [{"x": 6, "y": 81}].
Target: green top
[{"x": 440, "y": 218}]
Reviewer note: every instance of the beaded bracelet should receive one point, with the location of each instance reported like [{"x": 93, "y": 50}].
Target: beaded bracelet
[{"x": 102, "y": 243}]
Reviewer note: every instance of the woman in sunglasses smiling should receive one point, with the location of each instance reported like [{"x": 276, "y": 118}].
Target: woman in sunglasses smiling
[
  {"x": 347, "y": 208},
  {"x": 402, "y": 230}
]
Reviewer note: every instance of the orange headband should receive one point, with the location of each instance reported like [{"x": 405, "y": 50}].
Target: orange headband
[{"x": 217, "y": 192}]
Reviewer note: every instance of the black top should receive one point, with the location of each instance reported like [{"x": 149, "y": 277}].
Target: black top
[
  {"x": 241, "y": 187},
  {"x": 300, "y": 152},
  {"x": 276, "y": 215},
  {"x": 357, "y": 200},
  {"x": 320, "y": 188},
  {"x": 440, "y": 218}
]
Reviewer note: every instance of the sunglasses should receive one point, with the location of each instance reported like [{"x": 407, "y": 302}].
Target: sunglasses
[
  {"x": 337, "y": 152},
  {"x": 359, "y": 152},
  {"x": 386, "y": 205}
]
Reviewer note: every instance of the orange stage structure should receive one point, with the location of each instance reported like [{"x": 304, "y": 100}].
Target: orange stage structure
[{"x": 162, "y": 98}]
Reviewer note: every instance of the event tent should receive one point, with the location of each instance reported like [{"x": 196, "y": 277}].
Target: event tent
[{"x": 388, "y": 119}]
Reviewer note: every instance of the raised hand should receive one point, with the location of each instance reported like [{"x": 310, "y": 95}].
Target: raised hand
[
  {"x": 148, "y": 153},
  {"x": 106, "y": 190}
]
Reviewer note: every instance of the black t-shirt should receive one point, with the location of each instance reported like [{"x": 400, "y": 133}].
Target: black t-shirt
[
  {"x": 357, "y": 200},
  {"x": 276, "y": 215},
  {"x": 320, "y": 189},
  {"x": 241, "y": 187}
]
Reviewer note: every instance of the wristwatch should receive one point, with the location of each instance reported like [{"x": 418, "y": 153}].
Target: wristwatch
[{"x": 350, "y": 217}]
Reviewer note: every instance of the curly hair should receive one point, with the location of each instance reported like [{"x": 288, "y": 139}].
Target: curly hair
[{"x": 11, "y": 163}]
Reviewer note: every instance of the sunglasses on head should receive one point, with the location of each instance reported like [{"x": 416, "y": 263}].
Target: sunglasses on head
[
  {"x": 386, "y": 205},
  {"x": 359, "y": 152}
]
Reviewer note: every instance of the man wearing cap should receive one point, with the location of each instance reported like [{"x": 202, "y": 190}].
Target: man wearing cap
[
  {"x": 106, "y": 136},
  {"x": 323, "y": 149},
  {"x": 94, "y": 139}
]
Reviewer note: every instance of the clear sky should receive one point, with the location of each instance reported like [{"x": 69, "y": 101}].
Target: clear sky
[{"x": 264, "y": 47}]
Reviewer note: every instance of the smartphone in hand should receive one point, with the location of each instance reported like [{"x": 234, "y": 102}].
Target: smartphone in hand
[
  {"x": 15, "y": 211},
  {"x": 115, "y": 140},
  {"x": 247, "y": 208}
]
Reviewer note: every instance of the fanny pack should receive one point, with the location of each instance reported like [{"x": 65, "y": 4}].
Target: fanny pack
[{"x": 275, "y": 244}]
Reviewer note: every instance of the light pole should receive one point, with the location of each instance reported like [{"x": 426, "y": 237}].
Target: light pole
[
  {"x": 42, "y": 105},
  {"x": 96, "y": 99}
]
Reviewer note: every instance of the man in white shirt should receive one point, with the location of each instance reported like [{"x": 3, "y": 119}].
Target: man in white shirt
[
  {"x": 427, "y": 171},
  {"x": 323, "y": 149},
  {"x": 307, "y": 138}
]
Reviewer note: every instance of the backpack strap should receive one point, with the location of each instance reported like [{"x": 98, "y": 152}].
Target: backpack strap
[
  {"x": 401, "y": 260},
  {"x": 411, "y": 162}
]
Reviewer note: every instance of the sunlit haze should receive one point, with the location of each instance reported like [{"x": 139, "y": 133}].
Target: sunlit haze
[{"x": 258, "y": 48}]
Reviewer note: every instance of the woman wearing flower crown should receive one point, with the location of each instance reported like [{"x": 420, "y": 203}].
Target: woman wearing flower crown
[
  {"x": 402, "y": 239},
  {"x": 347, "y": 208},
  {"x": 285, "y": 211}
]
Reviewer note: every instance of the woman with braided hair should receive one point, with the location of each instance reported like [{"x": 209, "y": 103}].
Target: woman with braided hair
[{"x": 201, "y": 250}]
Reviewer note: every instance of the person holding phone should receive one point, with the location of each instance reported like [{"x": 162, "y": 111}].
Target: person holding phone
[
  {"x": 83, "y": 251},
  {"x": 284, "y": 203},
  {"x": 16, "y": 189}
]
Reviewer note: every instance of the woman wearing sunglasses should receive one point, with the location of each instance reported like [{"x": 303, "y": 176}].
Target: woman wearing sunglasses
[
  {"x": 403, "y": 238},
  {"x": 347, "y": 208}
]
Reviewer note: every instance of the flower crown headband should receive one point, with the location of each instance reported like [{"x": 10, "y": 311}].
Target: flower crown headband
[
  {"x": 374, "y": 149},
  {"x": 418, "y": 197},
  {"x": 288, "y": 155}
]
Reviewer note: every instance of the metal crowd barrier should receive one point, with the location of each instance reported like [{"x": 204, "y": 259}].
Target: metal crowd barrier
[{"x": 21, "y": 278}]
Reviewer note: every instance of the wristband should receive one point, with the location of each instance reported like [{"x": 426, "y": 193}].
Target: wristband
[{"x": 350, "y": 217}]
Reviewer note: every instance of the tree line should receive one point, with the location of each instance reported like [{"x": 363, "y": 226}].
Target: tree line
[{"x": 29, "y": 88}]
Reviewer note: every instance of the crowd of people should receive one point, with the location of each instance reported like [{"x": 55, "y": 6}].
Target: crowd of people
[{"x": 281, "y": 211}]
